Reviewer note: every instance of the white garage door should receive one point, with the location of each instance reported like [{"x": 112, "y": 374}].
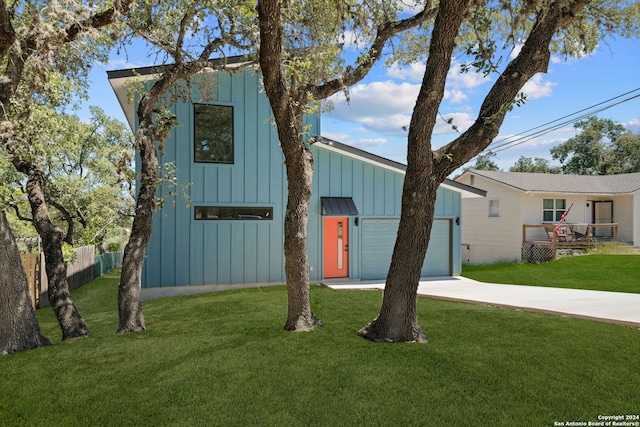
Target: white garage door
[{"x": 379, "y": 237}]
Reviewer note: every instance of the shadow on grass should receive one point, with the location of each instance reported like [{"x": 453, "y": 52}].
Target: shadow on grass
[{"x": 224, "y": 359}]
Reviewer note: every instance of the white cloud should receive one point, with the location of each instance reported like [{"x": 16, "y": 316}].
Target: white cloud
[
  {"x": 455, "y": 96},
  {"x": 516, "y": 50},
  {"x": 410, "y": 7},
  {"x": 353, "y": 40},
  {"x": 413, "y": 72},
  {"x": 536, "y": 87},
  {"x": 386, "y": 107},
  {"x": 456, "y": 79},
  {"x": 337, "y": 136},
  {"x": 633, "y": 125},
  {"x": 469, "y": 80},
  {"x": 461, "y": 121},
  {"x": 369, "y": 142},
  {"x": 380, "y": 106},
  {"x": 391, "y": 124}
]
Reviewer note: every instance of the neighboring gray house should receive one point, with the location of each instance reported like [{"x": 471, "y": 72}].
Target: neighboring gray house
[{"x": 492, "y": 227}]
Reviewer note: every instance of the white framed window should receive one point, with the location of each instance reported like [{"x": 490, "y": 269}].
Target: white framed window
[
  {"x": 552, "y": 209},
  {"x": 494, "y": 208}
]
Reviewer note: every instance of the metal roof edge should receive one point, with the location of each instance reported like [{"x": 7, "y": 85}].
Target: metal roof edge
[
  {"x": 478, "y": 172},
  {"x": 475, "y": 192},
  {"x": 366, "y": 156},
  {"x": 157, "y": 69},
  {"x": 467, "y": 191},
  {"x": 119, "y": 79}
]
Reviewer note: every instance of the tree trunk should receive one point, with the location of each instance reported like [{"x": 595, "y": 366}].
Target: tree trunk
[
  {"x": 288, "y": 107},
  {"x": 70, "y": 320},
  {"x": 299, "y": 175},
  {"x": 398, "y": 320},
  {"x": 152, "y": 128},
  {"x": 129, "y": 290},
  {"x": 427, "y": 169},
  {"x": 19, "y": 329}
]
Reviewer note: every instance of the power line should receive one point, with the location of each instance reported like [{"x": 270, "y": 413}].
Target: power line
[{"x": 510, "y": 142}]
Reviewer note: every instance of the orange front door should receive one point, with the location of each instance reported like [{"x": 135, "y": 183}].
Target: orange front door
[{"x": 336, "y": 247}]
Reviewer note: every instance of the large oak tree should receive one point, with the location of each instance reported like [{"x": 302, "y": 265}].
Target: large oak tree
[
  {"x": 299, "y": 59},
  {"x": 45, "y": 53},
  {"x": 569, "y": 26},
  {"x": 602, "y": 147},
  {"x": 186, "y": 34},
  {"x": 19, "y": 328}
]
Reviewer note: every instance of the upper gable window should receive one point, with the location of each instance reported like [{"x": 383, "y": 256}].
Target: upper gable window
[
  {"x": 552, "y": 209},
  {"x": 213, "y": 133},
  {"x": 494, "y": 208}
]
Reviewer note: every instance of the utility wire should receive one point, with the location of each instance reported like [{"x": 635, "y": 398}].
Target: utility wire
[
  {"x": 510, "y": 142},
  {"x": 522, "y": 140}
]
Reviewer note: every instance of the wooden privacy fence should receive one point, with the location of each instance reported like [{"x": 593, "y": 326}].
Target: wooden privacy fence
[
  {"x": 85, "y": 267},
  {"x": 30, "y": 262}
]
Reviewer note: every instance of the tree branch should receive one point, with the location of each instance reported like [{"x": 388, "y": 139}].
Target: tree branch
[
  {"x": 16, "y": 209},
  {"x": 353, "y": 75},
  {"x": 67, "y": 217},
  {"x": 98, "y": 20},
  {"x": 533, "y": 58},
  {"x": 7, "y": 33},
  {"x": 81, "y": 216}
]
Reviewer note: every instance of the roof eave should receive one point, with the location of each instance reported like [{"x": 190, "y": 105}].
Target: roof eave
[
  {"x": 120, "y": 80},
  {"x": 466, "y": 191}
]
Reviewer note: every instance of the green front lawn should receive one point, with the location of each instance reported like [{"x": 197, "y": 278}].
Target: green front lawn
[
  {"x": 223, "y": 359},
  {"x": 618, "y": 273}
]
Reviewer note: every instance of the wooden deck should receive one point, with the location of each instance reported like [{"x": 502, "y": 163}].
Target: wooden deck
[{"x": 569, "y": 236}]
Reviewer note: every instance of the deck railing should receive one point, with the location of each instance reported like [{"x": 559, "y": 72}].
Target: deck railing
[{"x": 540, "y": 242}]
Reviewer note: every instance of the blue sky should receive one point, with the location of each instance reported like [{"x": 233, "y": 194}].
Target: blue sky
[{"x": 381, "y": 104}]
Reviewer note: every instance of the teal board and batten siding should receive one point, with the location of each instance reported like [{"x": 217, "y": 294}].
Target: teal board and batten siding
[
  {"x": 377, "y": 192},
  {"x": 185, "y": 251},
  {"x": 379, "y": 236}
]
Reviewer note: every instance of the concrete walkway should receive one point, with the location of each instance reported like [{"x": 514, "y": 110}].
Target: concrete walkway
[{"x": 611, "y": 307}]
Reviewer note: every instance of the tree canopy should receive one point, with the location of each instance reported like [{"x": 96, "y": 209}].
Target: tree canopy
[
  {"x": 477, "y": 31},
  {"x": 536, "y": 165},
  {"x": 89, "y": 173},
  {"x": 46, "y": 51},
  {"x": 602, "y": 147}
]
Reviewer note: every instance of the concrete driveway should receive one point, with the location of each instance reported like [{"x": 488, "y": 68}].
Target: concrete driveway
[{"x": 611, "y": 307}]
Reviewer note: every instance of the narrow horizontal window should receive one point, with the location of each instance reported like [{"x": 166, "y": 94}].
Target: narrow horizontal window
[
  {"x": 233, "y": 213},
  {"x": 213, "y": 133}
]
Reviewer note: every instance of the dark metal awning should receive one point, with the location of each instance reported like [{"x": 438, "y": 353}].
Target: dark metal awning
[{"x": 342, "y": 206}]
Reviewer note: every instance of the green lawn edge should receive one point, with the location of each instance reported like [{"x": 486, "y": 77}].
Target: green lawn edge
[
  {"x": 223, "y": 358},
  {"x": 615, "y": 273}
]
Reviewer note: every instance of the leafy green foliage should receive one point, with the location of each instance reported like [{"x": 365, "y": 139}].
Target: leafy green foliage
[
  {"x": 536, "y": 165},
  {"x": 88, "y": 167},
  {"x": 494, "y": 30},
  {"x": 484, "y": 162},
  {"x": 68, "y": 253},
  {"x": 603, "y": 147}
]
